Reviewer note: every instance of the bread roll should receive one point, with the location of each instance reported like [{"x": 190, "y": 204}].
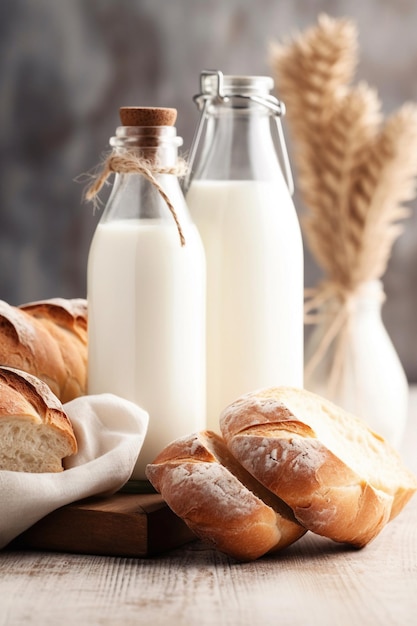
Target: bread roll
[
  {"x": 35, "y": 433},
  {"x": 341, "y": 480},
  {"x": 220, "y": 502},
  {"x": 49, "y": 340}
]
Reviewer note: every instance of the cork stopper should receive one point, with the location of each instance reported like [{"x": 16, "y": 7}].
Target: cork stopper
[{"x": 147, "y": 116}]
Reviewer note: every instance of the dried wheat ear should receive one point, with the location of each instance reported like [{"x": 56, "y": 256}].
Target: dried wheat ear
[{"x": 356, "y": 169}]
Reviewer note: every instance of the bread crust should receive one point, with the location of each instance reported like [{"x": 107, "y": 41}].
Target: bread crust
[
  {"x": 283, "y": 452},
  {"x": 202, "y": 484},
  {"x": 24, "y": 398},
  {"x": 49, "y": 340}
]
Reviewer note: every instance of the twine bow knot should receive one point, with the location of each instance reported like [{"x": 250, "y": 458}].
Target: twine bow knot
[{"x": 131, "y": 163}]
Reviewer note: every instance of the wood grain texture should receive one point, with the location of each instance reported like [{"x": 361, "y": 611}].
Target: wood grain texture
[
  {"x": 120, "y": 525},
  {"x": 314, "y": 582}
]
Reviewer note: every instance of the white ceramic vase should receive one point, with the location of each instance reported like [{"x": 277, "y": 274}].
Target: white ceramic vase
[{"x": 360, "y": 369}]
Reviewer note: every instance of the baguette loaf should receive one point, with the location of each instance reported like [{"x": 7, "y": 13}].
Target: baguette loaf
[
  {"x": 49, "y": 340},
  {"x": 220, "y": 502},
  {"x": 341, "y": 480},
  {"x": 35, "y": 433}
]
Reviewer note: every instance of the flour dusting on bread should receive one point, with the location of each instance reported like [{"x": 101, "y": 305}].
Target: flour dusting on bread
[{"x": 341, "y": 479}]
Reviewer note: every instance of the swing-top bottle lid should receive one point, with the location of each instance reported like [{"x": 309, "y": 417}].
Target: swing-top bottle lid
[
  {"x": 147, "y": 116},
  {"x": 216, "y": 83},
  {"x": 217, "y": 87}
]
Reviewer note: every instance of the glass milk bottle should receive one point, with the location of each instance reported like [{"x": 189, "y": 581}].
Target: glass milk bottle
[
  {"x": 242, "y": 206},
  {"x": 145, "y": 290}
]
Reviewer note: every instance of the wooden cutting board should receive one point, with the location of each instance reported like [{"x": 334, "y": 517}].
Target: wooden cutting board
[{"x": 125, "y": 524}]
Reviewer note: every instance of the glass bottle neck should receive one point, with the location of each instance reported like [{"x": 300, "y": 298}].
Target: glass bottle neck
[
  {"x": 164, "y": 157},
  {"x": 155, "y": 144},
  {"x": 238, "y": 143},
  {"x": 134, "y": 193}
]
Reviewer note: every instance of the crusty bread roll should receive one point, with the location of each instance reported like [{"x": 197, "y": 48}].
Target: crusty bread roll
[
  {"x": 221, "y": 503},
  {"x": 341, "y": 480},
  {"x": 49, "y": 340},
  {"x": 35, "y": 433}
]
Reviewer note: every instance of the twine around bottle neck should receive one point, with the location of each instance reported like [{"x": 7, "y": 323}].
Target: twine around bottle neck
[{"x": 131, "y": 163}]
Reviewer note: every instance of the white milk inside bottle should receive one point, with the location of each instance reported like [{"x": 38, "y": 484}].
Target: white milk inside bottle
[
  {"x": 254, "y": 305},
  {"x": 146, "y": 325},
  {"x": 242, "y": 207},
  {"x": 146, "y": 298}
]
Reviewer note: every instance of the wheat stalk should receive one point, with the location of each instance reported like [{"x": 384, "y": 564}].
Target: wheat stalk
[
  {"x": 354, "y": 173},
  {"x": 385, "y": 181},
  {"x": 353, "y": 124}
]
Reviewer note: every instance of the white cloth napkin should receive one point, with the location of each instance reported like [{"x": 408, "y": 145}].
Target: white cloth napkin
[{"x": 110, "y": 433}]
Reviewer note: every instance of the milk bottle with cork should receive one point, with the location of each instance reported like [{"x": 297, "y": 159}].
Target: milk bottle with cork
[
  {"x": 240, "y": 199},
  {"x": 146, "y": 286}
]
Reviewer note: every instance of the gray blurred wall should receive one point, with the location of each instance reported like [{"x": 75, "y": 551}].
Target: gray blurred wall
[{"x": 67, "y": 65}]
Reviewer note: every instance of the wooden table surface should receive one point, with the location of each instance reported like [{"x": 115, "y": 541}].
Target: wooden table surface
[{"x": 315, "y": 581}]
